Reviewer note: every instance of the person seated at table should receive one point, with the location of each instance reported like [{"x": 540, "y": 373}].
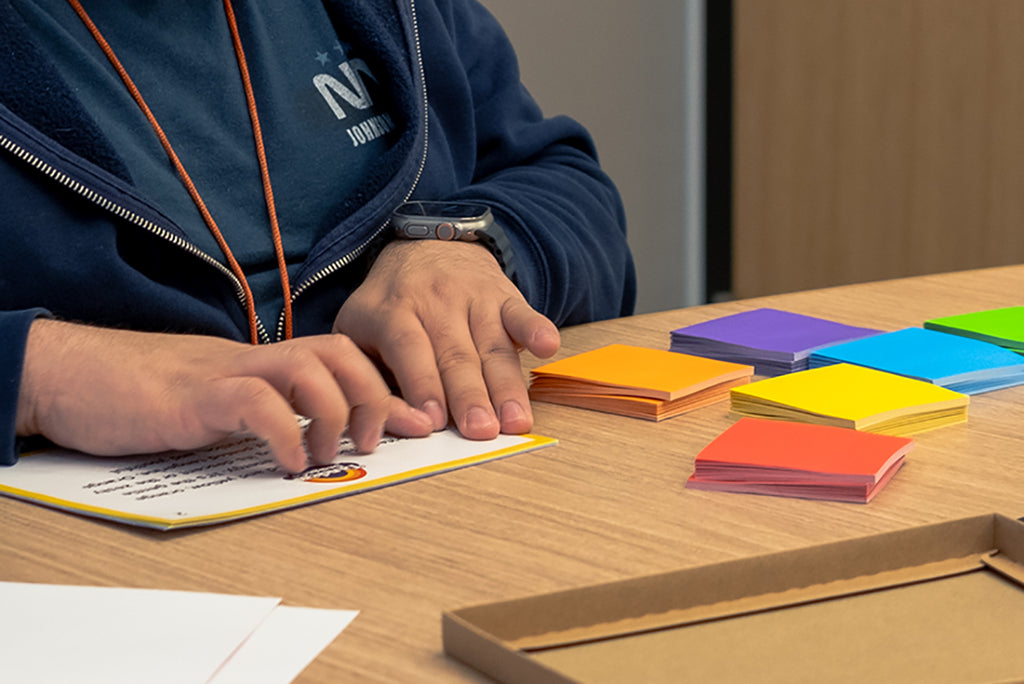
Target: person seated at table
[{"x": 196, "y": 202}]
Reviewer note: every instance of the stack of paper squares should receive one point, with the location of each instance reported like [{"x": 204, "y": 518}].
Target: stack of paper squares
[
  {"x": 1004, "y": 327},
  {"x": 773, "y": 341},
  {"x": 781, "y": 458},
  {"x": 855, "y": 397},
  {"x": 960, "y": 363},
  {"x": 636, "y": 381}
]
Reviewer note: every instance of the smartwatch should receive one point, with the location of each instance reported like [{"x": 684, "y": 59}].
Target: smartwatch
[{"x": 463, "y": 221}]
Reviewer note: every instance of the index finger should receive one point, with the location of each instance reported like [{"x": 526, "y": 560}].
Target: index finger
[
  {"x": 408, "y": 352},
  {"x": 252, "y": 405},
  {"x": 329, "y": 380},
  {"x": 530, "y": 329}
]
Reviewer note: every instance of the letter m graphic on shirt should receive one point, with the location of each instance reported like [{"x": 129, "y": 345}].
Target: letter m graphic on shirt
[{"x": 354, "y": 93}]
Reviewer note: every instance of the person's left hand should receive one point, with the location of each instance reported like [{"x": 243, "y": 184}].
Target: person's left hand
[{"x": 449, "y": 325}]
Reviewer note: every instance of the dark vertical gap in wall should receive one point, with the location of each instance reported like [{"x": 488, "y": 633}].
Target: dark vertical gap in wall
[{"x": 718, "y": 149}]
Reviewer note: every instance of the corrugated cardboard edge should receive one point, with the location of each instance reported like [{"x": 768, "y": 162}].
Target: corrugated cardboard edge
[
  {"x": 749, "y": 604},
  {"x": 491, "y": 637},
  {"x": 491, "y": 656},
  {"x": 1009, "y": 537}
]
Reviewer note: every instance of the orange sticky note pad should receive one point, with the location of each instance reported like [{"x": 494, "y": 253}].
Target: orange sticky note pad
[{"x": 638, "y": 381}]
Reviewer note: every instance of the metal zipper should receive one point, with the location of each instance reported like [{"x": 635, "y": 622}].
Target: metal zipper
[
  {"x": 119, "y": 211},
  {"x": 354, "y": 254},
  {"x": 130, "y": 216}
]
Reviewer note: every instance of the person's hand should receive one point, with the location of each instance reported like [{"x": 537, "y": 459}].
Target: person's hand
[
  {"x": 444, "y": 319},
  {"x": 116, "y": 392}
]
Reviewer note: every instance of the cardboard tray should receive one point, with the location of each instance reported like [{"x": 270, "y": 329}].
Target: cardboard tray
[{"x": 942, "y": 602}]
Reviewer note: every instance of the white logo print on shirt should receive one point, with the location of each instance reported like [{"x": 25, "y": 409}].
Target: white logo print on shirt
[{"x": 353, "y": 93}]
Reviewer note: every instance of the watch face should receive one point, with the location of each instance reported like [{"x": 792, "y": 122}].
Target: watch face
[{"x": 446, "y": 210}]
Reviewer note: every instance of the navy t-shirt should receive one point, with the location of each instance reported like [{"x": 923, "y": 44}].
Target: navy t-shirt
[{"x": 323, "y": 111}]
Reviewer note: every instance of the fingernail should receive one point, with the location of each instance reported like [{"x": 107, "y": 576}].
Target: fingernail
[
  {"x": 512, "y": 413},
  {"x": 479, "y": 419},
  {"x": 546, "y": 338},
  {"x": 432, "y": 408},
  {"x": 298, "y": 461},
  {"x": 421, "y": 416}
]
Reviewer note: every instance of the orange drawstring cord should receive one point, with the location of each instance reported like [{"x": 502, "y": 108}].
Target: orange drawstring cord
[{"x": 186, "y": 180}]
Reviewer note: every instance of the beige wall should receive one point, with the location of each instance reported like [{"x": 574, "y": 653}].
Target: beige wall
[
  {"x": 873, "y": 138},
  {"x": 617, "y": 67},
  {"x": 876, "y": 139}
]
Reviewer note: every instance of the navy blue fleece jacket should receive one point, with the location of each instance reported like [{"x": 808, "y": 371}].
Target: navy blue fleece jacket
[{"x": 80, "y": 243}]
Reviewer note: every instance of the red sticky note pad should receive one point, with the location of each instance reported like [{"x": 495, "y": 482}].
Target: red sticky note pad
[{"x": 803, "y": 460}]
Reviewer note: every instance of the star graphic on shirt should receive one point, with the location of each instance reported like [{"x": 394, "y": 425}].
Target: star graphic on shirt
[{"x": 322, "y": 58}]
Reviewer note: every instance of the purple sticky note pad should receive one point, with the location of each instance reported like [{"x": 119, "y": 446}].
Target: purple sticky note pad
[
  {"x": 774, "y": 341},
  {"x": 775, "y": 330}
]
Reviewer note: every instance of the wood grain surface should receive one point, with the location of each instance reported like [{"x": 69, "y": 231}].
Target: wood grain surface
[{"x": 608, "y": 502}]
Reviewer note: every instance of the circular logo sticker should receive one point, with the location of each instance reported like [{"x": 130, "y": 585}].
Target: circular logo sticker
[{"x": 332, "y": 472}]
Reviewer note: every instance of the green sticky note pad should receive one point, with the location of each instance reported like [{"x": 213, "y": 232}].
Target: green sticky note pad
[{"x": 1004, "y": 327}]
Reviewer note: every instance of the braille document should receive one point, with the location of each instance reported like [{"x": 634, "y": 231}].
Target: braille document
[
  {"x": 773, "y": 341},
  {"x": 234, "y": 479},
  {"x": 636, "y": 381},
  {"x": 782, "y": 458},
  {"x": 855, "y": 397},
  {"x": 959, "y": 363}
]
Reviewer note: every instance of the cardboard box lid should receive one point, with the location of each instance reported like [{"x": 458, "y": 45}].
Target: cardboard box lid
[{"x": 908, "y": 604}]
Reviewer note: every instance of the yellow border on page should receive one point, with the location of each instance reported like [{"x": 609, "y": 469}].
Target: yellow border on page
[{"x": 534, "y": 442}]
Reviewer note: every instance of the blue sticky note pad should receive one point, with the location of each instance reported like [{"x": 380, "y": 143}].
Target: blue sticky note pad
[{"x": 959, "y": 363}]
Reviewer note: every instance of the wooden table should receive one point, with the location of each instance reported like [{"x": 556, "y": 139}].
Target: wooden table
[{"x": 606, "y": 503}]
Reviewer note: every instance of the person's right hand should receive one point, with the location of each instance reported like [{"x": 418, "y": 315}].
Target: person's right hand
[{"x": 116, "y": 392}]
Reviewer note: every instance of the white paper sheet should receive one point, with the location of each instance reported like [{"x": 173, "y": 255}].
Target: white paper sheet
[
  {"x": 284, "y": 645},
  {"x": 106, "y": 635}
]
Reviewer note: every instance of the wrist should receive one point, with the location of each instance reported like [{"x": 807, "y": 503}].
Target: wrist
[
  {"x": 27, "y": 416},
  {"x": 497, "y": 242},
  {"x": 454, "y": 221}
]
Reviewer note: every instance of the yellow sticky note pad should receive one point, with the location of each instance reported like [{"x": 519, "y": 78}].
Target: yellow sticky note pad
[{"x": 853, "y": 396}]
